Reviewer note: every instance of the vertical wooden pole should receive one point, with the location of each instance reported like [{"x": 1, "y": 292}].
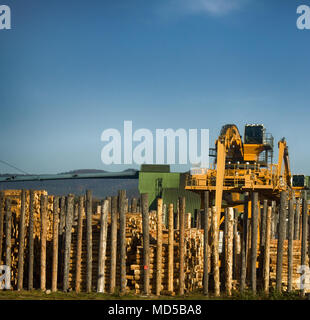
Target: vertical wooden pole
[
  {"x": 122, "y": 224},
  {"x": 89, "y": 240},
  {"x": 296, "y": 220},
  {"x": 236, "y": 262},
  {"x": 206, "y": 244},
  {"x": 254, "y": 237},
  {"x": 304, "y": 234},
  {"x": 1, "y": 222},
  {"x": 170, "y": 248},
  {"x": 146, "y": 242},
  {"x": 244, "y": 244},
  {"x": 223, "y": 255},
  {"x": 267, "y": 251},
  {"x": 69, "y": 218},
  {"x": 31, "y": 241},
  {"x": 181, "y": 244},
  {"x": 274, "y": 220},
  {"x": 62, "y": 222},
  {"x": 55, "y": 243},
  {"x": 43, "y": 208},
  {"x": 133, "y": 205},
  {"x": 21, "y": 250},
  {"x": 215, "y": 252},
  {"x": 8, "y": 232},
  {"x": 281, "y": 232},
  {"x": 159, "y": 251},
  {"x": 229, "y": 250},
  {"x": 290, "y": 244},
  {"x": 79, "y": 245},
  {"x": 102, "y": 245},
  {"x": 263, "y": 226},
  {"x": 114, "y": 218}
]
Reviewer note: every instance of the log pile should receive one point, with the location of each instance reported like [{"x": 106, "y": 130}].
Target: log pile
[{"x": 296, "y": 263}]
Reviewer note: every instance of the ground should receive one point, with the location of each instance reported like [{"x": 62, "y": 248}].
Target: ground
[{"x": 39, "y": 295}]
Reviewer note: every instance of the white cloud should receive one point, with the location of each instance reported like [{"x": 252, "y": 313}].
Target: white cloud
[{"x": 210, "y": 7}]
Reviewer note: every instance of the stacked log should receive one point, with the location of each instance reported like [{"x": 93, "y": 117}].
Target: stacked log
[{"x": 296, "y": 263}]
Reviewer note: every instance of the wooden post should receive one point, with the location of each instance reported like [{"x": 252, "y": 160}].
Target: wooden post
[
  {"x": 89, "y": 240},
  {"x": 43, "y": 208},
  {"x": 274, "y": 220},
  {"x": 263, "y": 226},
  {"x": 236, "y": 262},
  {"x": 254, "y": 237},
  {"x": 55, "y": 243},
  {"x": 102, "y": 245},
  {"x": 20, "y": 274},
  {"x": 244, "y": 244},
  {"x": 267, "y": 251},
  {"x": 134, "y": 205},
  {"x": 114, "y": 218},
  {"x": 8, "y": 232},
  {"x": 281, "y": 232},
  {"x": 159, "y": 251},
  {"x": 290, "y": 244},
  {"x": 181, "y": 244},
  {"x": 304, "y": 234},
  {"x": 223, "y": 255},
  {"x": 69, "y": 218},
  {"x": 62, "y": 222},
  {"x": 146, "y": 242},
  {"x": 296, "y": 221},
  {"x": 170, "y": 248},
  {"x": 79, "y": 245},
  {"x": 31, "y": 241},
  {"x": 206, "y": 244},
  {"x": 122, "y": 226},
  {"x": 1, "y": 222},
  {"x": 229, "y": 250},
  {"x": 215, "y": 252}
]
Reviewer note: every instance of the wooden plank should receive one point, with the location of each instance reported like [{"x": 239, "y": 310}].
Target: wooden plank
[
  {"x": 122, "y": 222},
  {"x": 296, "y": 221},
  {"x": 206, "y": 244},
  {"x": 79, "y": 245},
  {"x": 102, "y": 245},
  {"x": 290, "y": 244},
  {"x": 170, "y": 248},
  {"x": 55, "y": 243},
  {"x": 69, "y": 220},
  {"x": 31, "y": 241},
  {"x": 244, "y": 243},
  {"x": 215, "y": 252},
  {"x": 267, "y": 251},
  {"x": 146, "y": 242},
  {"x": 43, "y": 212},
  {"x": 2, "y": 213},
  {"x": 254, "y": 238},
  {"x": 114, "y": 218},
  {"x": 89, "y": 240},
  {"x": 8, "y": 232},
  {"x": 281, "y": 236},
  {"x": 229, "y": 250},
  {"x": 304, "y": 233},
  {"x": 181, "y": 243},
  {"x": 21, "y": 249},
  {"x": 159, "y": 250}
]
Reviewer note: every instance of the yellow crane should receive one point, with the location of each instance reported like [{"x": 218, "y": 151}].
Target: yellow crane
[{"x": 243, "y": 166}]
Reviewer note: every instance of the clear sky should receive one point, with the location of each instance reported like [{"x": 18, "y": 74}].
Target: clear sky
[{"x": 71, "y": 69}]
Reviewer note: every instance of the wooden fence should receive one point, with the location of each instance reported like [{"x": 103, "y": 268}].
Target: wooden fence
[{"x": 69, "y": 243}]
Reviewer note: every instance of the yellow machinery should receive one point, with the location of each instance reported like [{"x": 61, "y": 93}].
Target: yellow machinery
[{"x": 243, "y": 166}]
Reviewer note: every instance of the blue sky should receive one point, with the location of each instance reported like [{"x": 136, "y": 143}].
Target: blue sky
[{"x": 71, "y": 69}]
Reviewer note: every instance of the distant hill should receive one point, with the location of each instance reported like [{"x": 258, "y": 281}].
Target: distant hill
[{"x": 100, "y": 187}]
